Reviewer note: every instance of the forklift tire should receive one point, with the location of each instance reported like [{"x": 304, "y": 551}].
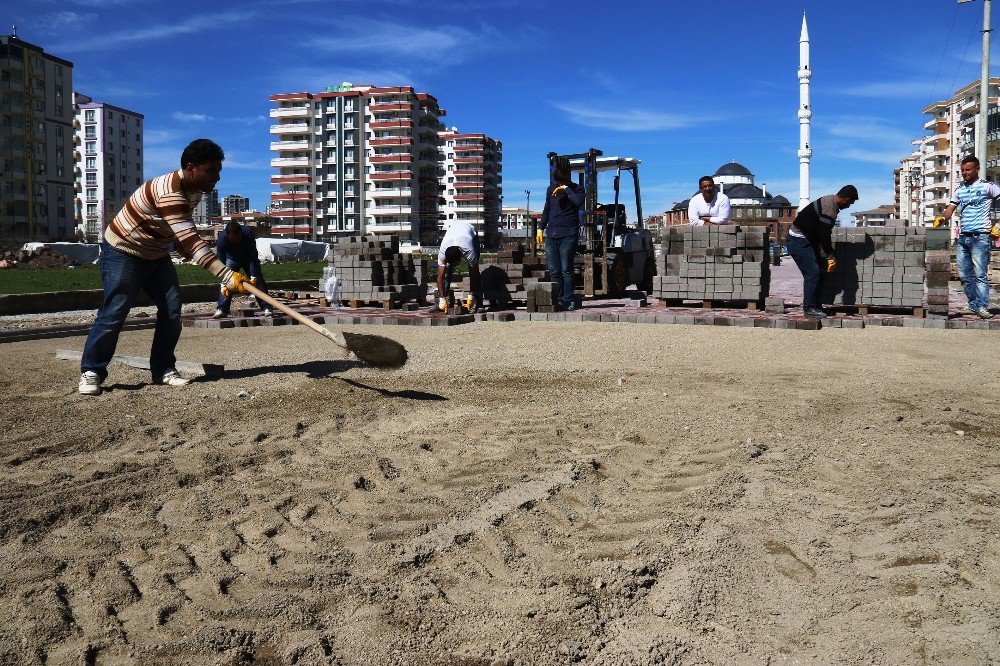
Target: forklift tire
[{"x": 617, "y": 279}]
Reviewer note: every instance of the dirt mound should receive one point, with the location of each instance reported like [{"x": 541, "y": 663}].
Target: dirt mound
[{"x": 39, "y": 258}]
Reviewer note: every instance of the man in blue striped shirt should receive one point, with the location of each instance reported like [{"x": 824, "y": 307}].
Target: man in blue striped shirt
[{"x": 974, "y": 200}]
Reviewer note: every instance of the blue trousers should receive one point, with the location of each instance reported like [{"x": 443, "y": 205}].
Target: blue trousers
[
  {"x": 253, "y": 270},
  {"x": 808, "y": 260},
  {"x": 124, "y": 276},
  {"x": 559, "y": 254},
  {"x": 972, "y": 259}
]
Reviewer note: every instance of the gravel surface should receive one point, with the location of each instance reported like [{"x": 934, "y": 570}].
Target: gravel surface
[{"x": 518, "y": 493}]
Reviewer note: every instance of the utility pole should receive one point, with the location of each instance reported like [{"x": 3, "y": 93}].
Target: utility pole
[
  {"x": 527, "y": 206},
  {"x": 982, "y": 120}
]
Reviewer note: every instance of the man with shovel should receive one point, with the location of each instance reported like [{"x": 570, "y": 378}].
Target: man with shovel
[{"x": 135, "y": 256}]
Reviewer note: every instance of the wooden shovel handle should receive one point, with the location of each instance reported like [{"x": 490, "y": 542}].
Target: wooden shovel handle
[{"x": 297, "y": 316}]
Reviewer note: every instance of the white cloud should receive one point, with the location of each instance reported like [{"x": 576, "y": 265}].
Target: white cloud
[
  {"x": 122, "y": 38},
  {"x": 190, "y": 117},
  {"x": 880, "y": 89},
  {"x": 624, "y": 120}
]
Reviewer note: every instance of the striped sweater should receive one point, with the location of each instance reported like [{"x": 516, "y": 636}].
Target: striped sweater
[{"x": 157, "y": 213}]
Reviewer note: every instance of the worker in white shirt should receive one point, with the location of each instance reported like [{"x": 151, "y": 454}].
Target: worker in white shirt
[
  {"x": 460, "y": 241},
  {"x": 708, "y": 206}
]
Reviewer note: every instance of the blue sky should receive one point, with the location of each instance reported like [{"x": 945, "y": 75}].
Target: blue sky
[{"x": 682, "y": 86}]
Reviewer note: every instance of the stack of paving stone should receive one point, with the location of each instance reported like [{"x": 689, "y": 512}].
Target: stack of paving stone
[
  {"x": 506, "y": 278},
  {"x": 542, "y": 297},
  {"x": 877, "y": 266},
  {"x": 713, "y": 263},
  {"x": 938, "y": 265},
  {"x": 371, "y": 268}
]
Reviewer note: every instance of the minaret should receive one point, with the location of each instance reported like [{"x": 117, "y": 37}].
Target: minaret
[{"x": 805, "y": 114}]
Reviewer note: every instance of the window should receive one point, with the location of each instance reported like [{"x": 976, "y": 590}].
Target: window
[
  {"x": 91, "y": 132},
  {"x": 91, "y": 194},
  {"x": 60, "y": 194},
  {"x": 123, "y": 134},
  {"x": 92, "y": 179},
  {"x": 39, "y": 105},
  {"x": 41, "y": 169},
  {"x": 91, "y": 162},
  {"x": 59, "y": 132},
  {"x": 111, "y": 145},
  {"x": 39, "y": 84},
  {"x": 92, "y": 209},
  {"x": 91, "y": 147}
]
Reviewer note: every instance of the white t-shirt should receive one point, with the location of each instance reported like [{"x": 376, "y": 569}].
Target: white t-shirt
[
  {"x": 717, "y": 210},
  {"x": 463, "y": 235}
]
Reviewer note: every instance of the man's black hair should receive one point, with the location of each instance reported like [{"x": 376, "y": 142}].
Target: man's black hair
[
  {"x": 848, "y": 192},
  {"x": 201, "y": 151},
  {"x": 561, "y": 175},
  {"x": 970, "y": 159},
  {"x": 453, "y": 254},
  {"x": 234, "y": 227},
  {"x": 703, "y": 179}
]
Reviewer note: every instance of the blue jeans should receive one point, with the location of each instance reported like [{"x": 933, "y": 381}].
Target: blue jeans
[
  {"x": 123, "y": 276},
  {"x": 807, "y": 258},
  {"x": 559, "y": 254},
  {"x": 972, "y": 258},
  {"x": 253, "y": 270}
]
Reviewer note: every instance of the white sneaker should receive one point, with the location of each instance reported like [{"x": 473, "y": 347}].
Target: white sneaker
[
  {"x": 267, "y": 312},
  {"x": 172, "y": 378},
  {"x": 984, "y": 313},
  {"x": 90, "y": 383},
  {"x": 219, "y": 314}
]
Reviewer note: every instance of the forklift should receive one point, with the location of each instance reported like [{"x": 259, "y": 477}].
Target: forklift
[{"x": 611, "y": 255}]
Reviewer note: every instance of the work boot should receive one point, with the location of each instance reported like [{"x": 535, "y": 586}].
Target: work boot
[
  {"x": 171, "y": 378},
  {"x": 90, "y": 383},
  {"x": 219, "y": 314},
  {"x": 815, "y": 312},
  {"x": 984, "y": 313}
]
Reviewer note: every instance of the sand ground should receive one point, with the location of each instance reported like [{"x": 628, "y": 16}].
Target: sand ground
[{"x": 519, "y": 493}]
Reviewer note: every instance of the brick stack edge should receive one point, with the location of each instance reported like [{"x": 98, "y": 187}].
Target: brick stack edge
[
  {"x": 541, "y": 297},
  {"x": 878, "y": 266},
  {"x": 938, "y": 263},
  {"x": 726, "y": 263},
  {"x": 509, "y": 277},
  {"x": 371, "y": 268}
]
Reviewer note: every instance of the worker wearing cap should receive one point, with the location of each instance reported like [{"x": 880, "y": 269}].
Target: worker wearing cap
[
  {"x": 974, "y": 198},
  {"x": 810, "y": 243},
  {"x": 561, "y": 225},
  {"x": 460, "y": 240},
  {"x": 709, "y": 206}
]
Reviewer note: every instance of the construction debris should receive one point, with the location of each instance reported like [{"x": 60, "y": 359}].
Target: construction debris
[{"x": 39, "y": 258}]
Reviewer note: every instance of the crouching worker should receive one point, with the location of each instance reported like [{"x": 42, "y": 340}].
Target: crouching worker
[
  {"x": 461, "y": 240},
  {"x": 236, "y": 247},
  {"x": 135, "y": 257}
]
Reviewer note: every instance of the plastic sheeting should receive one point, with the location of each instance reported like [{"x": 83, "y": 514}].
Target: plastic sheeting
[
  {"x": 279, "y": 250},
  {"x": 85, "y": 253}
]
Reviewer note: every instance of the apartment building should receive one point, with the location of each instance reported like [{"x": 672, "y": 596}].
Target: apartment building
[
  {"x": 365, "y": 159},
  {"x": 108, "y": 169},
  {"x": 207, "y": 209},
  {"x": 907, "y": 181},
  {"x": 953, "y": 136},
  {"x": 36, "y": 144},
  {"x": 235, "y": 204},
  {"x": 470, "y": 173}
]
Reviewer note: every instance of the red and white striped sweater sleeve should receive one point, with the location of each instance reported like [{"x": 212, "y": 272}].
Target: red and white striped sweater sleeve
[{"x": 176, "y": 211}]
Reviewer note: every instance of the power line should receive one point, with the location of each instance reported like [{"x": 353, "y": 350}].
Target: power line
[{"x": 944, "y": 52}]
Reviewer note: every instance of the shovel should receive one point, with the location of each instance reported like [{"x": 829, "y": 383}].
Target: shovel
[{"x": 372, "y": 349}]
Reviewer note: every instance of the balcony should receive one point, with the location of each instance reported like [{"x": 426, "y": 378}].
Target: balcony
[
  {"x": 394, "y": 158},
  {"x": 290, "y": 112},
  {"x": 291, "y": 196},
  {"x": 391, "y": 175},
  {"x": 290, "y": 145},
  {"x": 290, "y": 180},
  {"x": 389, "y": 210},
  {"x": 468, "y": 160},
  {"x": 12, "y": 65},
  {"x": 469, "y": 149},
  {"x": 391, "y": 141},
  {"x": 380, "y": 107},
  {"x": 469, "y": 186},
  {"x": 389, "y": 124},
  {"x": 292, "y": 213},
  {"x": 290, "y": 128},
  {"x": 391, "y": 192},
  {"x": 280, "y": 162}
]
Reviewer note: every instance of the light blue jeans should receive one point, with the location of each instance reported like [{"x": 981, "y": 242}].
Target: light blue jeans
[{"x": 972, "y": 258}]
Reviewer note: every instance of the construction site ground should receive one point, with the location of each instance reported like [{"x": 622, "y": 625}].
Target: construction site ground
[{"x": 520, "y": 492}]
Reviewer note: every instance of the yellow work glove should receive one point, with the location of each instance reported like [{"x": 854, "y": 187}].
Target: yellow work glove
[
  {"x": 995, "y": 230},
  {"x": 235, "y": 285},
  {"x": 558, "y": 191},
  {"x": 831, "y": 264},
  {"x": 443, "y": 304},
  {"x": 538, "y": 237},
  {"x": 472, "y": 303},
  {"x": 938, "y": 221}
]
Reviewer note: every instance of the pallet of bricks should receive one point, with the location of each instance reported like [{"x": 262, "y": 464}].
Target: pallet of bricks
[
  {"x": 371, "y": 271},
  {"x": 717, "y": 265},
  {"x": 938, "y": 271},
  {"x": 877, "y": 267},
  {"x": 506, "y": 279}
]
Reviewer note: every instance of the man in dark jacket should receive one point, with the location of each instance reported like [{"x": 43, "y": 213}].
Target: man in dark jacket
[
  {"x": 236, "y": 247},
  {"x": 561, "y": 224},
  {"x": 810, "y": 245}
]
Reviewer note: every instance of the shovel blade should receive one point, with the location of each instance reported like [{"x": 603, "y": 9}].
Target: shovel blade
[{"x": 375, "y": 350}]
